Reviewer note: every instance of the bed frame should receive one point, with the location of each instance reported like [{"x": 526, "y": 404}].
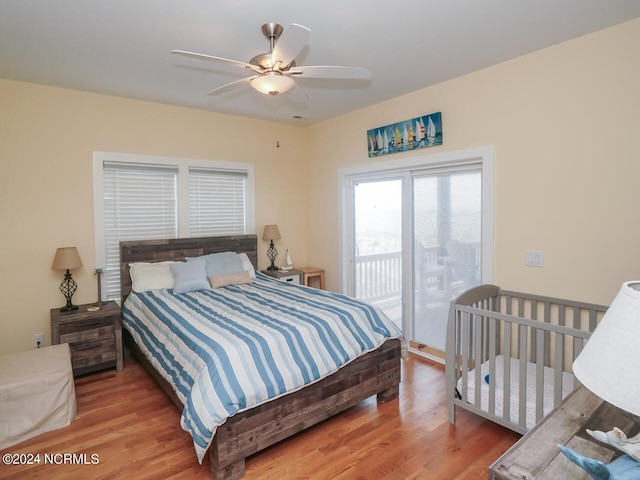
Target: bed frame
[
  {"x": 546, "y": 332},
  {"x": 248, "y": 432}
]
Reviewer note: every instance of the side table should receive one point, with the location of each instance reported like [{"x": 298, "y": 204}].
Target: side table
[
  {"x": 95, "y": 337},
  {"x": 313, "y": 273},
  {"x": 291, "y": 276}
]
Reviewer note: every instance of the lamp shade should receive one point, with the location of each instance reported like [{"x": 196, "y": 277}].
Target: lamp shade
[
  {"x": 271, "y": 232},
  {"x": 273, "y": 83},
  {"x": 609, "y": 364},
  {"x": 66, "y": 258}
]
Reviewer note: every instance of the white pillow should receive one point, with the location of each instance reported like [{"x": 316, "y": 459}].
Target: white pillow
[
  {"x": 247, "y": 266},
  {"x": 150, "y": 276}
]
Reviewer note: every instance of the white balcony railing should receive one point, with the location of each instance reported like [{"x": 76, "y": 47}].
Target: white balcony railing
[{"x": 379, "y": 277}]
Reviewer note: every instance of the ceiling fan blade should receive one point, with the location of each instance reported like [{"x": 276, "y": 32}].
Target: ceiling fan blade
[
  {"x": 290, "y": 44},
  {"x": 210, "y": 58},
  {"x": 348, "y": 73},
  {"x": 301, "y": 93},
  {"x": 232, "y": 85}
]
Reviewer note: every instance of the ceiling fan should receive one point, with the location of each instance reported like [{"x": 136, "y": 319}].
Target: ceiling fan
[{"x": 274, "y": 72}]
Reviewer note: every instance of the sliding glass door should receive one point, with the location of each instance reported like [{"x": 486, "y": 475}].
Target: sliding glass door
[
  {"x": 447, "y": 248},
  {"x": 416, "y": 238},
  {"x": 378, "y": 244}
]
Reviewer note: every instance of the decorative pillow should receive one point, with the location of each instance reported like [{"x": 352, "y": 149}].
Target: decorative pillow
[
  {"x": 150, "y": 276},
  {"x": 190, "y": 276},
  {"x": 247, "y": 266},
  {"x": 238, "y": 278},
  {"x": 221, "y": 263}
]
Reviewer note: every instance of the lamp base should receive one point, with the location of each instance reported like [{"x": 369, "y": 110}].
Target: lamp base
[
  {"x": 68, "y": 288},
  {"x": 69, "y": 308},
  {"x": 272, "y": 253}
]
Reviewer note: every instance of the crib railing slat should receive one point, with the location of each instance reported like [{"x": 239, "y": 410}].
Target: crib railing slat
[
  {"x": 464, "y": 332},
  {"x": 558, "y": 370},
  {"x": 522, "y": 375},
  {"x": 539, "y": 375},
  {"x": 493, "y": 338},
  {"x": 477, "y": 326},
  {"x": 506, "y": 397}
]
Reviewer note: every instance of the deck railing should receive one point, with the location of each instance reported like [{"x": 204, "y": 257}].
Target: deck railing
[{"x": 379, "y": 277}]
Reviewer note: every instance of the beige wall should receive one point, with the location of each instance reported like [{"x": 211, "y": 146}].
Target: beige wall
[
  {"x": 47, "y": 136},
  {"x": 563, "y": 121},
  {"x": 565, "y": 126}
]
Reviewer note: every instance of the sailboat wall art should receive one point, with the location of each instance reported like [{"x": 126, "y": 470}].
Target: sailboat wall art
[{"x": 420, "y": 132}]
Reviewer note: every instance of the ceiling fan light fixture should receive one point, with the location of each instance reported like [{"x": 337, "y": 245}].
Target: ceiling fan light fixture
[{"x": 272, "y": 83}]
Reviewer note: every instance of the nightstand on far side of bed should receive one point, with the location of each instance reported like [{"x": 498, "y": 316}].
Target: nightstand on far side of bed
[
  {"x": 94, "y": 336},
  {"x": 291, "y": 276}
]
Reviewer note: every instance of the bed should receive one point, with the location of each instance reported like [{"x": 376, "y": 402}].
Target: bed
[
  {"x": 509, "y": 354},
  {"x": 282, "y": 407}
]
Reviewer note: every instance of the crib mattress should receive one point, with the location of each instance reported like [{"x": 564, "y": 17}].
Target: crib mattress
[{"x": 514, "y": 410}]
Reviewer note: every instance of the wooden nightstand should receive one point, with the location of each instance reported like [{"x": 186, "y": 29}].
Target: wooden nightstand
[
  {"x": 292, "y": 276},
  {"x": 95, "y": 337}
]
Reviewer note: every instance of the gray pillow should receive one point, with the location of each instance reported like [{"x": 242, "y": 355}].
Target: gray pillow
[
  {"x": 190, "y": 276},
  {"x": 224, "y": 263}
]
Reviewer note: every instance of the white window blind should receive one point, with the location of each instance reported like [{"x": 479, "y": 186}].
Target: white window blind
[
  {"x": 146, "y": 197},
  {"x": 217, "y": 202},
  {"x": 140, "y": 202}
]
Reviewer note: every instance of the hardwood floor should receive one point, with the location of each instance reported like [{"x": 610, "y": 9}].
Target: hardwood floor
[{"x": 133, "y": 430}]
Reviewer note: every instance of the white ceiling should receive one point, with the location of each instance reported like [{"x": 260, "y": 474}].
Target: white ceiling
[{"x": 121, "y": 47}]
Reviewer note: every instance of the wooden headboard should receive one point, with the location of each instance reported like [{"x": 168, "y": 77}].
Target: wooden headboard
[{"x": 178, "y": 249}]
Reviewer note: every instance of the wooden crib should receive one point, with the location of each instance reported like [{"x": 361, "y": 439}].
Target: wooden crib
[{"x": 509, "y": 354}]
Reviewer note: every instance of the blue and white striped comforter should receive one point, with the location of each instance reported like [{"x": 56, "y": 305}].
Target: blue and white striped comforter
[{"x": 230, "y": 349}]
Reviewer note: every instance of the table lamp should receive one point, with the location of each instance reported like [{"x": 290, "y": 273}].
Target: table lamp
[
  {"x": 67, "y": 258},
  {"x": 271, "y": 233},
  {"x": 609, "y": 366}
]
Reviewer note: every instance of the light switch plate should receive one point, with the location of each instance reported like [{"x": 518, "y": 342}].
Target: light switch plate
[{"x": 533, "y": 258}]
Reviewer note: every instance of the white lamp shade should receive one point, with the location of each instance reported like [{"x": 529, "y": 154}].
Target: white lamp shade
[
  {"x": 609, "y": 364},
  {"x": 273, "y": 83}
]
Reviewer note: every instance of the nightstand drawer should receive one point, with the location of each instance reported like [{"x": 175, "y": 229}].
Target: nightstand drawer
[
  {"x": 84, "y": 326},
  {"x": 295, "y": 278},
  {"x": 89, "y": 334},
  {"x": 290, "y": 276},
  {"x": 93, "y": 355}
]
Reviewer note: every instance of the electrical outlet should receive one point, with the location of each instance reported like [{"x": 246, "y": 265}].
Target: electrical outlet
[{"x": 38, "y": 340}]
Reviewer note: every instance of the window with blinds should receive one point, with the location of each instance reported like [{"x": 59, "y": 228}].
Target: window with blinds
[
  {"x": 216, "y": 202},
  {"x": 140, "y": 203},
  {"x": 141, "y": 197}
]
